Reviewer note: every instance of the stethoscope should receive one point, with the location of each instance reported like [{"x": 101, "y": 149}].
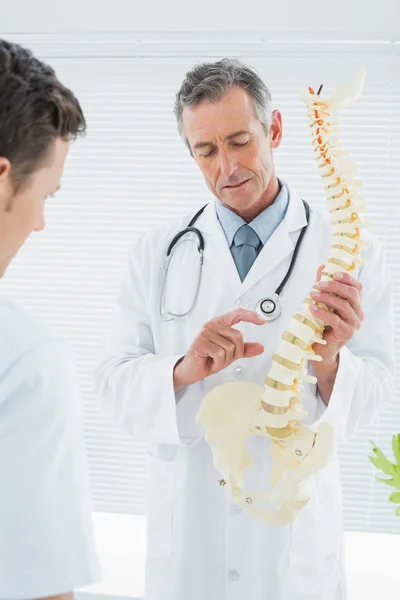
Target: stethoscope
[{"x": 269, "y": 307}]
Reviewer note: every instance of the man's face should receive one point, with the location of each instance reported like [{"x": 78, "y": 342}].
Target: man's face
[
  {"x": 22, "y": 212},
  {"x": 232, "y": 149}
]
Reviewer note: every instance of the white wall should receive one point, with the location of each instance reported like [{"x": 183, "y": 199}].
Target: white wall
[{"x": 338, "y": 18}]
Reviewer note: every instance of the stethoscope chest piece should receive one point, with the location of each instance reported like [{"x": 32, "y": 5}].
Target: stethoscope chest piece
[{"x": 269, "y": 308}]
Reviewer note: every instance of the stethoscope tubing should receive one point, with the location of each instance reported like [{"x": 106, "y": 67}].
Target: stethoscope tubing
[{"x": 273, "y": 300}]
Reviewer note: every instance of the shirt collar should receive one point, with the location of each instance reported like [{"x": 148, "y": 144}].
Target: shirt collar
[{"x": 264, "y": 224}]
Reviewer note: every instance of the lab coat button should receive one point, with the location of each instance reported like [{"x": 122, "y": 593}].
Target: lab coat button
[
  {"x": 233, "y": 575},
  {"x": 240, "y": 301},
  {"x": 239, "y": 372}
]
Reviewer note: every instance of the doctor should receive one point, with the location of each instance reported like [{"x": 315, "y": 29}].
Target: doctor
[
  {"x": 157, "y": 368},
  {"x": 46, "y": 537}
]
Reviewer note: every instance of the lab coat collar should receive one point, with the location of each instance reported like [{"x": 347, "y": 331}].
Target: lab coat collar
[{"x": 277, "y": 248}]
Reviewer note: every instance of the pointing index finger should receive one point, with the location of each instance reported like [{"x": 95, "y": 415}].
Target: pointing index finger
[{"x": 241, "y": 314}]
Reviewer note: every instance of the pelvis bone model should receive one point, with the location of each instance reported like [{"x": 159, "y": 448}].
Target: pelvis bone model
[{"x": 233, "y": 411}]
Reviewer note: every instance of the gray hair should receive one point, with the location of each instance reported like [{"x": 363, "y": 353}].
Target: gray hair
[{"x": 212, "y": 81}]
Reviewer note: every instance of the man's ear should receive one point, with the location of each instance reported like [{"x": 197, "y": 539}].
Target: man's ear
[
  {"x": 276, "y": 129},
  {"x": 5, "y": 169}
]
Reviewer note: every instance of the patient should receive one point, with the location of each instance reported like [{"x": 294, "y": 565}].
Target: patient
[{"x": 46, "y": 541}]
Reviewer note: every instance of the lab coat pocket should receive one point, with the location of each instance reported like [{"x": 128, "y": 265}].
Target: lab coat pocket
[
  {"x": 159, "y": 499},
  {"x": 318, "y": 528}
]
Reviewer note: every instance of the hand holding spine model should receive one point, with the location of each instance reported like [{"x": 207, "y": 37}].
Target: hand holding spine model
[{"x": 233, "y": 411}]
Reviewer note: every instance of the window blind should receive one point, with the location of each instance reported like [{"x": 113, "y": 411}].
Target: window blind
[{"x": 132, "y": 172}]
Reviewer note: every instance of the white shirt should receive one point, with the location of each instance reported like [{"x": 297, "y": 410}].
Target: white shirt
[{"x": 46, "y": 540}]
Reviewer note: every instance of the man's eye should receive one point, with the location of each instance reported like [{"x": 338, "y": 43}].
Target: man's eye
[{"x": 238, "y": 144}]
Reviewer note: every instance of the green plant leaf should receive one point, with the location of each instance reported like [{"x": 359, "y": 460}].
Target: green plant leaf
[
  {"x": 396, "y": 449},
  {"x": 398, "y": 511},
  {"x": 381, "y": 462},
  {"x": 395, "y": 497},
  {"x": 390, "y": 482}
]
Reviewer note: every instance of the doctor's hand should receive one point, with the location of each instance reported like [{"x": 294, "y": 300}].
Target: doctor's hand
[
  {"x": 343, "y": 323},
  {"x": 216, "y": 347}
]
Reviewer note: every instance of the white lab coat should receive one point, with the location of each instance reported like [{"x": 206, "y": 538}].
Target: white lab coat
[
  {"x": 46, "y": 534},
  {"x": 200, "y": 544}
]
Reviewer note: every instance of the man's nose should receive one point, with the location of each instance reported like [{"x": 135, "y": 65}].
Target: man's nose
[{"x": 228, "y": 163}]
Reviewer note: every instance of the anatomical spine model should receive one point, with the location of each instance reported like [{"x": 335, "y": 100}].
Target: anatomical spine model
[{"x": 233, "y": 411}]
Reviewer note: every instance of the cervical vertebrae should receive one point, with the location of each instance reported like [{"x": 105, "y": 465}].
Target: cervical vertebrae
[{"x": 233, "y": 411}]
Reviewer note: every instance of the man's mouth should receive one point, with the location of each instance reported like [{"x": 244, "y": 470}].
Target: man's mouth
[{"x": 236, "y": 185}]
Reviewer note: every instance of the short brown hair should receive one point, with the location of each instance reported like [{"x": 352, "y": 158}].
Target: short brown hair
[{"x": 35, "y": 109}]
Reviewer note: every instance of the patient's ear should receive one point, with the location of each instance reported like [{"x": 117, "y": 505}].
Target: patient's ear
[
  {"x": 5, "y": 167},
  {"x": 6, "y": 189}
]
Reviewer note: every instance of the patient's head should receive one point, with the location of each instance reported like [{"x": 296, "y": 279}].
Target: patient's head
[{"x": 38, "y": 119}]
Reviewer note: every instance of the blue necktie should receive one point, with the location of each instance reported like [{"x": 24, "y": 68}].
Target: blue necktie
[{"x": 244, "y": 249}]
